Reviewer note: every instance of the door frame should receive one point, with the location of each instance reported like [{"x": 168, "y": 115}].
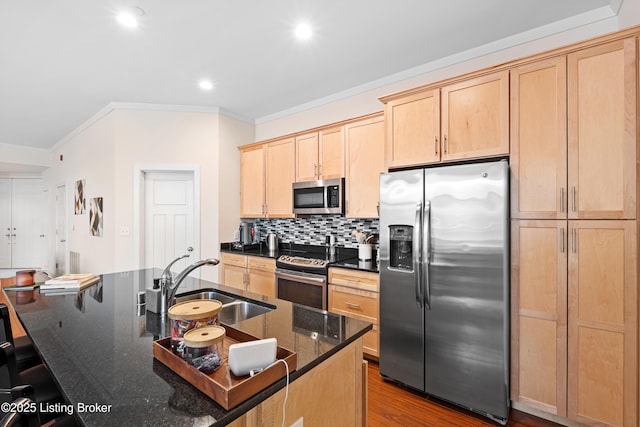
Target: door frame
[
  {"x": 60, "y": 214},
  {"x": 139, "y": 170}
]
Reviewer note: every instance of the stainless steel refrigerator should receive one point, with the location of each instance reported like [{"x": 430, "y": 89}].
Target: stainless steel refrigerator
[{"x": 444, "y": 283}]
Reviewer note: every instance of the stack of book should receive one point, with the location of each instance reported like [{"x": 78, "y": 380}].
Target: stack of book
[{"x": 68, "y": 283}]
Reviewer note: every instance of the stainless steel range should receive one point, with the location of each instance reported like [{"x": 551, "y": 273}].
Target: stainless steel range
[{"x": 301, "y": 274}]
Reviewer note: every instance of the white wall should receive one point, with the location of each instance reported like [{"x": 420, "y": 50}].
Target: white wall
[
  {"x": 127, "y": 138},
  {"x": 363, "y": 100},
  {"x": 90, "y": 155},
  {"x": 233, "y": 133},
  {"x": 23, "y": 162},
  {"x": 629, "y": 14}
]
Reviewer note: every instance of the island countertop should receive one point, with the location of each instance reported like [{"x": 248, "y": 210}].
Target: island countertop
[{"x": 98, "y": 345}]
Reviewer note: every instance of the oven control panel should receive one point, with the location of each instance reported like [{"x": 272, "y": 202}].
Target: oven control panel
[{"x": 302, "y": 261}]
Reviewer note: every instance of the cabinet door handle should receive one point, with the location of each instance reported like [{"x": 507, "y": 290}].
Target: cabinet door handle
[
  {"x": 435, "y": 145},
  {"x": 573, "y": 198},
  {"x": 574, "y": 238},
  {"x": 446, "y": 145},
  {"x": 352, "y": 305},
  {"x": 319, "y": 170},
  {"x": 315, "y": 169},
  {"x": 562, "y": 240},
  {"x": 561, "y": 199}
]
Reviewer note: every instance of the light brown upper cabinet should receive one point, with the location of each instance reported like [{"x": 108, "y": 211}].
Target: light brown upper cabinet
[
  {"x": 413, "y": 129},
  {"x": 573, "y": 145},
  {"x": 266, "y": 174},
  {"x": 252, "y": 175},
  {"x": 602, "y": 132},
  {"x": 539, "y": 140},
  {"x": 280, "y": 167},
  {"x": 364, "y": 164},
  {"x": 464, "y": 120},
  {"x": 475, "y": 117},
  {"x": 320, "y": 155}
]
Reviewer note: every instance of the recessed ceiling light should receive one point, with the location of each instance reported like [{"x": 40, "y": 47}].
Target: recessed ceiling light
[
  {"x": 129, "y": 18},
  {"x": 303, "y": 31},
  {"x": 205, "y": 85}
]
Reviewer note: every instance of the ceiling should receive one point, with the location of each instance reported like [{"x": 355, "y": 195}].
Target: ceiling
[{"x": 63, "y": 61}]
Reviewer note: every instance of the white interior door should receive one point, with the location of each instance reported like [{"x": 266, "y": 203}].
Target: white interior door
[
  {"x": 5, "y": 223},
  {"x": 169, "y": 220},
  {"x": 27, "y": 223},
  {"x": 61, "y": 230}
]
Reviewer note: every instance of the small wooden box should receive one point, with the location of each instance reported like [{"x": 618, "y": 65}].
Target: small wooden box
[{"x": 221, "y": 385}]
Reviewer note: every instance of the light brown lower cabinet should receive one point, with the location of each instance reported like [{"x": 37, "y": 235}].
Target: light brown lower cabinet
[
  {"x": 249, "y": 273},
  {"x": 331, "y": 394},
  {"x": 574, "y": 322},
  {"x": 356, "y": 294}
]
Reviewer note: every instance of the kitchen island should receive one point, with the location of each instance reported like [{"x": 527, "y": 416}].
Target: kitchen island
[{"x": 98, "y": 345}]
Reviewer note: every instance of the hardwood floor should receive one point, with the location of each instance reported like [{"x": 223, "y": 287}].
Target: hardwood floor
[{"x": 391, "y": 405}]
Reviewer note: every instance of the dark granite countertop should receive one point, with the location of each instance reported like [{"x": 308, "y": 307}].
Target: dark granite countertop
[
  {"x": 286, "y": 249},
  {"x": 355, "y": 264},
  {"x": 98, "y": 345}
]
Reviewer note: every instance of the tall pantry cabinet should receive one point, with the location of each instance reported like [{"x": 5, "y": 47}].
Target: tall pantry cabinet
[{"x": 574, "y": 235}]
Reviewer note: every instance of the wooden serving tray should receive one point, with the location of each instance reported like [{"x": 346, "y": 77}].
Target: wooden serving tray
[{"x": 221, "y": 385}]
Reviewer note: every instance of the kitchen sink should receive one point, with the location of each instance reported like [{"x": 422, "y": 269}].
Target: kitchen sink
[
  {"x": 234, "y": 310},
  {"x": 223, "y": 298},
  {"x": 237, "y": 311}
]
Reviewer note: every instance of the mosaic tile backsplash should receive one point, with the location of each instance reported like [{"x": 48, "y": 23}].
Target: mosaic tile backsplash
[{"x": 314, "y": 229}]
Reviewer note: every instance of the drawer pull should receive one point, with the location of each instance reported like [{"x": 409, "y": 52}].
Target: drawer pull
[
  {"x": 352, "y": 305},
  {"x": 350, "y": 279}
]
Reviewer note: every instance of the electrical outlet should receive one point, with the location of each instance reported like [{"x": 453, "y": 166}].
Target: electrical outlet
[
  {"x": 124, "y": 230},
  {"x": 298, "y": 422},
  {"x": 236, "y": 236}
]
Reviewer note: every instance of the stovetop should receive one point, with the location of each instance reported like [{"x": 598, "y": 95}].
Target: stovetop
[{"x": 312, "y": 258}]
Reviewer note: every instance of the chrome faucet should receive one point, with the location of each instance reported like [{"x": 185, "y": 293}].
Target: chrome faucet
[
  {"x": 184, "y": 273},
  {"x": 169, "y": 286}
]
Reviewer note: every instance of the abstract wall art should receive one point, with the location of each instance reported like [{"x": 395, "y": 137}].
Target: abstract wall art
[
  {"x": 80, "y": 202},
  {"x": 95, "y": 216}
]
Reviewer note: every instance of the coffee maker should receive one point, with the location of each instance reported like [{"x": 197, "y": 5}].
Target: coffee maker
[{"x": 246, "y": 233}]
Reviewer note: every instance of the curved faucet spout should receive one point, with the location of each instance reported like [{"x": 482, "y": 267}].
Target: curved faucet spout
[
  {"x": 166, "y": 274},
  {"x": 184, "y": 273}
]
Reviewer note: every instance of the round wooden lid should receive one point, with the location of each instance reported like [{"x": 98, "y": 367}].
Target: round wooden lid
[
  {"x": 204, "y": 336},
  {"x": 194, "y": 310}
]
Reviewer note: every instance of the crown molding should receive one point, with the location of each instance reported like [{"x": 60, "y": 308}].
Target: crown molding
[{"x": 112, "y": 106}]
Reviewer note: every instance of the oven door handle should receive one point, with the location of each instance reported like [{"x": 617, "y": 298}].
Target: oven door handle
[{"x": 299, "y": 277}]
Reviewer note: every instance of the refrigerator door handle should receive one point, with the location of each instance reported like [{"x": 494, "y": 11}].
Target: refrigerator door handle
[
  {"x": 417, "y": 253},
  {"x": 426, "y": 245}
]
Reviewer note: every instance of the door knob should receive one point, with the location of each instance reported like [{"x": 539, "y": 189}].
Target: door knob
[{"x": 62, "y": 241}]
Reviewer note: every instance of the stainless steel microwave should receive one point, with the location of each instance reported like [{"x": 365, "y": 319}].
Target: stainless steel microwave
[{"x": 319, "y": 197}]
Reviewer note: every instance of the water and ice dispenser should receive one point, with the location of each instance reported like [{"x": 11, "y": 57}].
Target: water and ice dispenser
[{"x": 401, "y": 247}]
